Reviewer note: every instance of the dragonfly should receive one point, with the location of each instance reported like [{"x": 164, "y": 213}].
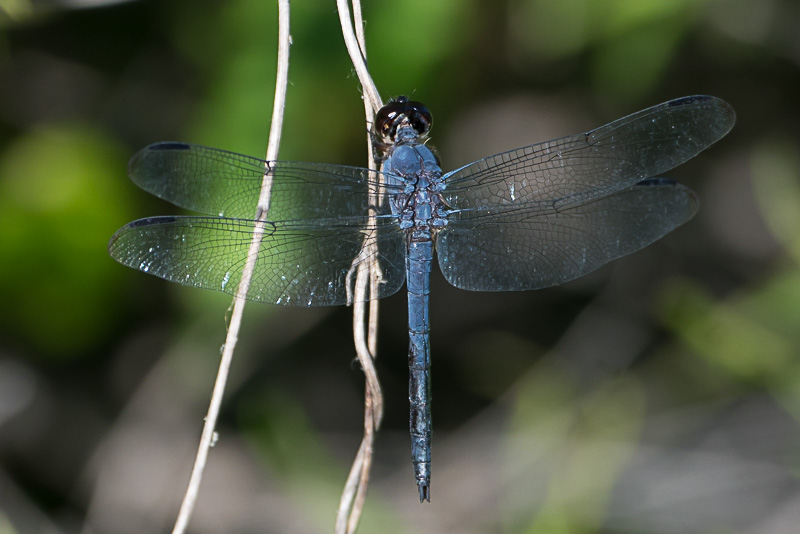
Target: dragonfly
[{"x": 529, "y": 218}]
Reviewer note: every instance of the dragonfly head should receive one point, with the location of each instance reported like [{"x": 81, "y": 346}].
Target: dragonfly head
[{"x": 405, "y": 116}]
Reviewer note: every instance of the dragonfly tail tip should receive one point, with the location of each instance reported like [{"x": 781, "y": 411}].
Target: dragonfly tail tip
[{"x": 424, "y": 493}]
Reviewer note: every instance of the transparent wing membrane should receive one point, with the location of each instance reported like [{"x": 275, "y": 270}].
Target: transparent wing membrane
[
  {"x": 591, "y": 165},
  {"x": 532, "y": 217},
  {"x": 299, "y": 264},
  {"x": 221, "y": 183},
  {"x": 538, "y": 245},
  {"x": 548, "y": 213}
]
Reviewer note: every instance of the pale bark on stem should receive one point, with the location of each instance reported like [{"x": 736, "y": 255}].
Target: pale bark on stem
[
  {"x": 207, "y": 436},
  {"x": 367, "y": 279},
  {"x": 358, "y": 54}
]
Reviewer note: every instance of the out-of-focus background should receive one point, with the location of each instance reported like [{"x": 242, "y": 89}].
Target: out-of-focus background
[{"x": 660, "y": 394}]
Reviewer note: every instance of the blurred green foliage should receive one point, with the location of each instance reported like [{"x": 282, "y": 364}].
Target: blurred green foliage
[
  {"x": 591, "y": 432},
  {"x": 56, "y": 205},
  {"x": 753, "y": 335},
  {"x": 620, "y": 37}
]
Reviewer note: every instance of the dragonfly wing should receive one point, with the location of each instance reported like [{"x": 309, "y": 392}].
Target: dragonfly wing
[
  {"x": 539, "y": 244},
  {"x": 299, "y": 263},
  {"x": 218, "y": 182},
  {"x": 587, "y": 166}
]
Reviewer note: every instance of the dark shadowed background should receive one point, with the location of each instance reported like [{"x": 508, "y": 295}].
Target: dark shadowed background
[{"x": 660, "y": 394}]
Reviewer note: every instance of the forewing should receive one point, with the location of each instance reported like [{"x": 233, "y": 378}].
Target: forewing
[
  {"x": 538, "y": 245},
  {"x": 299, "y": 263},
  {"x": 587, "y": 166},
  {"x": 218, "y": 182}
]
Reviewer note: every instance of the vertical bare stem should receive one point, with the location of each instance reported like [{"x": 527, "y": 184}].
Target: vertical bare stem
[
  {"x": 190, "y": 498},
  {"x": 367, "y": 279},
  {"x": 358, "y": 54}
]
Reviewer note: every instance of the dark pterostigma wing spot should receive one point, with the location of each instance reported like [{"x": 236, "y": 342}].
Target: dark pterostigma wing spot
[{"x": 169, "y": 145}]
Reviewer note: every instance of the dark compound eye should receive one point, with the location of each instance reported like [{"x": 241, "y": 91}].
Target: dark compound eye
[
  {"x": 392, "y": 114},
  {"x": 421, "y": 120},
  {"x": 386, "y": 119}
]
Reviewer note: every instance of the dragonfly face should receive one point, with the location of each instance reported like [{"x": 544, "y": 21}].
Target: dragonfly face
[
  {"x": 402, "y": 112},
  {"x": 532, "y": 217}
]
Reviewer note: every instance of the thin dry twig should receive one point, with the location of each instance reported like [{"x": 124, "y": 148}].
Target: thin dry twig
[
  {"x": 358, "y": 55},
  {"x": 190, "y": 498},
  {"x": 366, "y": 285}
]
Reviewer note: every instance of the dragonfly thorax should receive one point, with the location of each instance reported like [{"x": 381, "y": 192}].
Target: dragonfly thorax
[{"x": 415, "y": 167}]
